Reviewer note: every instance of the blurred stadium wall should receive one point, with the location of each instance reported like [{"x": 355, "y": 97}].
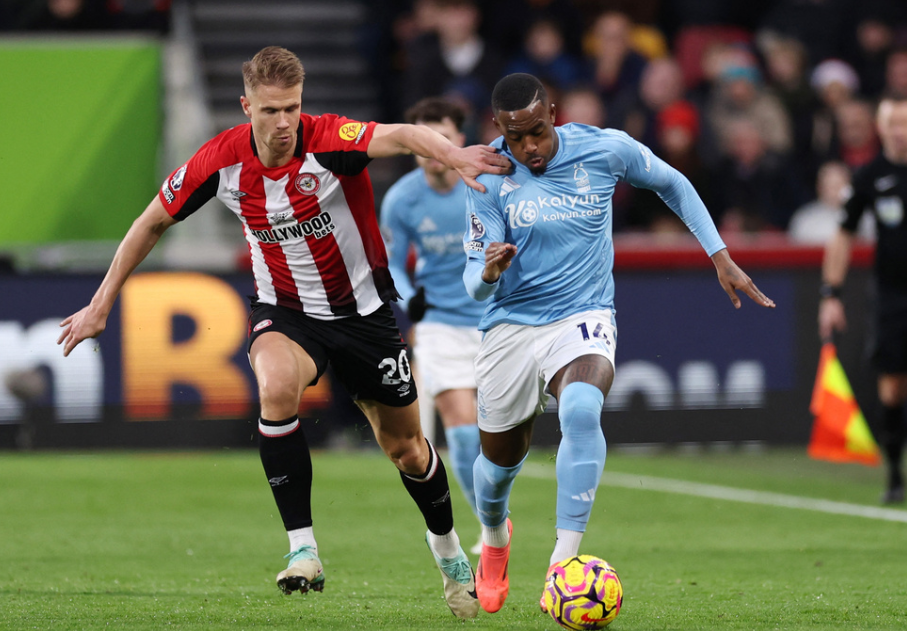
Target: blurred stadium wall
[
  {"x": 171, "y": 369},
  {"x": 81, "y": 128}
]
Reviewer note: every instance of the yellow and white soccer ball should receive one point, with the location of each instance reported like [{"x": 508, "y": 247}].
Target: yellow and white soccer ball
[{"x": 583, "y": 592}]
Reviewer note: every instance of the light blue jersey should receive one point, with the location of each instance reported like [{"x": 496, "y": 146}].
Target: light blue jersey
[
  {"x": 560, "y": 222},
  {"x": 414, "y": 213}
]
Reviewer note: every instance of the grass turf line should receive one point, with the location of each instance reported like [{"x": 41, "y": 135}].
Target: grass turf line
[{"x": 193, "y": 541}]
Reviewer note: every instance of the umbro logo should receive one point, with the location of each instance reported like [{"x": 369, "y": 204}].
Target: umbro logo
[
  {"x": 885, "y": 183},
  {"x": 237, "y": 193},
  {"x": 508, "y": 186}
]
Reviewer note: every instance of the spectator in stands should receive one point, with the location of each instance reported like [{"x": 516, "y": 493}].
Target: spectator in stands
[
  {"x": 787, "y": 78},
  {"x": 857, "y": 140},
  {"x": 581, "y": 105},
  {"x": 754, "y": 187},
  {"x": 454, "y": 61},
  {"x": 874, "y": 38},
  {"x": 740, "y": 94},
  {"x": 660, "y": 86},
  {"x": 817, "y": 221},
  {"x": 834, "y": 83},
  {"x": 677, "y": 128},
  {"x": 544, "y": 56},
  {"x": 508, "y": 22},
  {"x": 896, "y": 73},
  {"x": 821, "y": 25},
  {"x": 616, "y": 68}
]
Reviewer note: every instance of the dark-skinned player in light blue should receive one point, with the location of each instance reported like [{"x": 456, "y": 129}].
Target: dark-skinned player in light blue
[{"x": 539, "y": 244}]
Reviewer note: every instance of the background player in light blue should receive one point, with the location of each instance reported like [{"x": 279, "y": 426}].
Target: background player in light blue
[
  {"x": 539, "y": 242},
  {"x": 426, "y": 209}
]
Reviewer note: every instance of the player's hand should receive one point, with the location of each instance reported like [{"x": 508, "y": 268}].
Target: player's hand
[
  {"x": 497, "y": 259},
  {"x": 417, "y": 306},
  {"x": 732, "y": 278},
  {"x": 831, "y": 317},
  {"x": 80, "y": 326},
  {"x": 472, "y": 161}
]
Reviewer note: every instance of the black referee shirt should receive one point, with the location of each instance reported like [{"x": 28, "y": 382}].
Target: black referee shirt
[{"x": 881, "y": 187}]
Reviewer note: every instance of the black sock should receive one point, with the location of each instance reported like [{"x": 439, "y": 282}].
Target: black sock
[
  {"x": 431, "y": 493},
  {"x": 288, "y": 466},
  {"x": 894, "y": 432}
]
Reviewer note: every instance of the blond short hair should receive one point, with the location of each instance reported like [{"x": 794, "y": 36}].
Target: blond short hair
[{"x": 273, "y": 66}]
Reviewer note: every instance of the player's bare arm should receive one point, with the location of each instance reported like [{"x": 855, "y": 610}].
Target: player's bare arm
[
  {"x": 91, "y": 321},
  {"x": 497, "y": 259},
  {"x": 834, "y": 271},
  {"x": 732, "y": 279},
  {"x": 469, "y": 162}
]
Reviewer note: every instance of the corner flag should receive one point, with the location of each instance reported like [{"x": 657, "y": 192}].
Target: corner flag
[{"x": 840, "y": 432}]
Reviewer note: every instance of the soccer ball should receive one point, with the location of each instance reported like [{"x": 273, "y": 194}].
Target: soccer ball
[{"x": 583, "y": 592}]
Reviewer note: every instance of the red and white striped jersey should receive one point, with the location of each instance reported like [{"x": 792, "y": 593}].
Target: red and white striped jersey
[{"x": 311, "y": 224}]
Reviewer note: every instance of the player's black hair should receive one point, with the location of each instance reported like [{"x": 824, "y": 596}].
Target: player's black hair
[
  {"x": 435, "y": 109},
  {"x": 516, "y": 92}
]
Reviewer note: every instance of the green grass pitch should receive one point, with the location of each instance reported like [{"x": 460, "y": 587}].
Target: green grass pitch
[{"x": 193, "y": 541}]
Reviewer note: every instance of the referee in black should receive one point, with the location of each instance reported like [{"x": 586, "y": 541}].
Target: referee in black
[{"x": 881, "y": 188}]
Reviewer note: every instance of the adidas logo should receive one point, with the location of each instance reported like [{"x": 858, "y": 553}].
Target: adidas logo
[
  {"x": 508, "y": 186},
  {"x": 427, "y": 225},
  {"x": 588, "y": 496}
]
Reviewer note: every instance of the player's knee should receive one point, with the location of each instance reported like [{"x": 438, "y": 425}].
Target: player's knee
[
  {"x": 409, "y": 455},
  {"x": 279, "y": 397},
  {"x": 580, "y": 408}
]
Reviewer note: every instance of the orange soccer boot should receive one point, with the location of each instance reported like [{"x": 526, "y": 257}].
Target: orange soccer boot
[{"x": 492, "y": 581}]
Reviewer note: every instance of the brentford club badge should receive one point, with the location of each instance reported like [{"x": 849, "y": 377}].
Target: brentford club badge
[{"x": 307, "y": 183}]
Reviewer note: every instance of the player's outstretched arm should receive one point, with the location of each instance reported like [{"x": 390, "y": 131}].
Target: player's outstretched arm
[
  {"x": 469, "y": 162},
  {"x": 732, "y": 278},
  {"x": 138, "y": 242}
]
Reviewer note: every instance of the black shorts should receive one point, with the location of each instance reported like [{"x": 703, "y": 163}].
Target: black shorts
[
  {"x": 890, "y": 339},
  {"x": 367, "y": 353}
]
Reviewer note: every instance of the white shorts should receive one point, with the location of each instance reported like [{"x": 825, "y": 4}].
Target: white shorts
[
  {"x": 445, "y": 356},
  {"x": 516, "y": 362}
]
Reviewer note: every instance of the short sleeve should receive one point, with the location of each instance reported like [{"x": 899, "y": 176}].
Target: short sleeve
[
  {"x": 190, "y": 186},
  {"x": 340, "y": 144}
]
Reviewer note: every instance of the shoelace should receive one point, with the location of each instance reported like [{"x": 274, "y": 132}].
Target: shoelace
[
  {"x": 458, "y": 569},
  {"x": 306, "y": 552}
]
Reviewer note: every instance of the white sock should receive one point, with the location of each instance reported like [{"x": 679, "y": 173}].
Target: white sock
[
  {"x": 495, "y": 536},
  {"x": 302, "y": 537},
  {"x": 445, "y": 546},
  {"x": 566, "y": 546}
]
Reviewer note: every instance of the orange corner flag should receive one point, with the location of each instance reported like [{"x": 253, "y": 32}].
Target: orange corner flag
[{"x": 840, "y": 432}]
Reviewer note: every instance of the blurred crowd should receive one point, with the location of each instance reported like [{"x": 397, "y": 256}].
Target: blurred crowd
[
  {"x": 85, "y": 15},
  {"x": 767, "y": 107}
]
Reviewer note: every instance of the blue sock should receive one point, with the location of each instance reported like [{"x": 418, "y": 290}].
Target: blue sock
[
  {"x": 493, "y": 484},
  {"x": 581, "y": 454},
  {"x": 463, "y": 448}
]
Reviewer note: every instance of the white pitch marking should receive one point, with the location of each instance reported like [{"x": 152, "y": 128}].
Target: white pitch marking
[{"x": 681, "y": 487}]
